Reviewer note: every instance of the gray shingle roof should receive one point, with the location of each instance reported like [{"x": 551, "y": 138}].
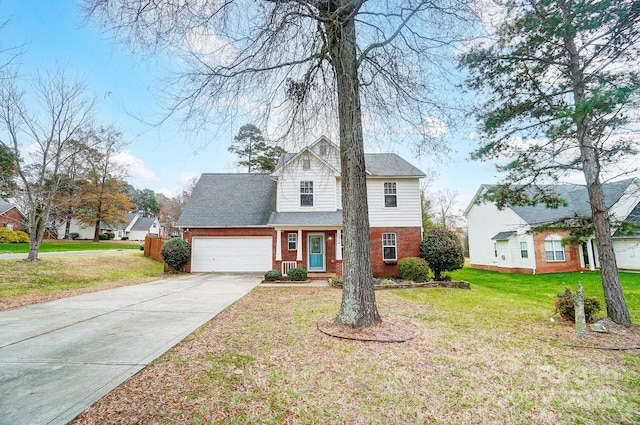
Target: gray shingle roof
[
  {"x": 377, "y": 164},
  {"x": 577, "y": 202},
  {"x": 4, "y": 206},
  {"x": 503, "y": 235},
  {"x": 310, "y": 218},
  {"x": 226, "y": 200},
  {"x": 143, "y": 223}
]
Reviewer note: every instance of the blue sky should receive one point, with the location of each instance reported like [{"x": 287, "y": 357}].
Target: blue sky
[{"x": 163, "y": 158}]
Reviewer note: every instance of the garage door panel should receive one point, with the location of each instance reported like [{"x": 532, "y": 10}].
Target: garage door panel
[{"x": 231, "y": 254}]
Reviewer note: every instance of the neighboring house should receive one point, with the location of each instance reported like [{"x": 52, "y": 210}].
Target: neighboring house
[
  {"x": 139, "y": 227},
  {"x": 293, "y": 217},
  {"x": 135, "y": 228},
  {"x": 501, "y": 239},
  {"x": 10, "y": 216}
]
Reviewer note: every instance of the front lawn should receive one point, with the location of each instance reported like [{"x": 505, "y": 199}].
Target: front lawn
[
  {"x": 64, "y": 245},
  {"x": 489, "y": 355},
  {"x": 50, "y": 278}
]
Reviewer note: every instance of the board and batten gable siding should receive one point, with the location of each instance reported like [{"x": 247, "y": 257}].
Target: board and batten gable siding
[
  {"x": 324, "y": 186},
  {"x": 484, "y": 221},
  {"x": 408, "y": 213}
]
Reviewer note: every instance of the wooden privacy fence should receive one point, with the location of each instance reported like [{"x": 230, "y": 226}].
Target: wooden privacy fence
[{"x": 152, "y": 247}]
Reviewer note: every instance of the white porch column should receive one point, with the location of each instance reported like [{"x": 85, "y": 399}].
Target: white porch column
[
  {"x": 278, "y": 245},
  {"x": 339, "y": 245},
  {"x": 299, "y": 246},
  {"x": 592, "y": 258}
]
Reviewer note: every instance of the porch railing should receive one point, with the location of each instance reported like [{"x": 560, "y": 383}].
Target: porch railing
[{"x": 288, "y": 265}]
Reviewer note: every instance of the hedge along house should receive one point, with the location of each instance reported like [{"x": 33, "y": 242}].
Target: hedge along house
[
  {"x": 293, "y": 217},
  {"x": 501, "y": 240}
]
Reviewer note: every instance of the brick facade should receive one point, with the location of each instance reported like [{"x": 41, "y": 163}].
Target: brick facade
[
  {"x": 408, "y": 241},
  {"x": 12, "y": 216},
  {"x": 407, "y": 238},
  {"x": 571, "y": 261}
]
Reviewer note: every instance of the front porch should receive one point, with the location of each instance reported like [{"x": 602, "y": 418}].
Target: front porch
[{"x": 319, "y": 251}]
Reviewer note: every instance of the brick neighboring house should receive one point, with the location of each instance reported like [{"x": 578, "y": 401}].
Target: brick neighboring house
[
  {"x": 10, "y": 216},
  {"x": 293, "y": 217},
  {"x": 500, "y": 240}
]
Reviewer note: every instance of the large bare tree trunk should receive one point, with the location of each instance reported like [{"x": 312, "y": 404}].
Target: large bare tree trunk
[{"x": 358, "y": 308}]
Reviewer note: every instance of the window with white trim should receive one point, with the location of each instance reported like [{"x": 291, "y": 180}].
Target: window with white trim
[
  {"x": 495, "y": 249},
  {"x": 9, "y": 226},
  {"x": 292, "y": 241},
  {"x": 389, "y": 247},
  {"x": 524, "y": 251},
  {"x": 306, "y": 193},
  {"x": 554, "y": 250},
  {"x": 390, "y": 195}
]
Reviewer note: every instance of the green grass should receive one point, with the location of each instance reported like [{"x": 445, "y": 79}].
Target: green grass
[
  {"x": 60, "y": 246},
  {"x": 53, "y": 277},
  {"x": 533, "y": 291}
]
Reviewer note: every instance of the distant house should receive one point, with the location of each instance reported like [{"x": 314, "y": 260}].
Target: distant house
[
  {"x": 10, "y": 216},
  {"x": 501, "y": 240},
  {"x": 293, "y": 216},
  {"x": 135, "y": 228}
]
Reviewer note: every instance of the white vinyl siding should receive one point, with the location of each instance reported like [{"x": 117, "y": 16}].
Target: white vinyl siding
[
  {"x": 324, "y": 187},
  {"x": 627, "y": 253},
  {"x": 484, "y": 222},
  {"x": 407, "y": 214}
]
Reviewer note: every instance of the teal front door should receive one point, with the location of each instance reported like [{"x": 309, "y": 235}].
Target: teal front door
[{"x": 316, "y": 252}]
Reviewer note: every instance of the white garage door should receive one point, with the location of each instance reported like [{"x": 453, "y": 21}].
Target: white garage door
[{"x": 231, "y": 254}]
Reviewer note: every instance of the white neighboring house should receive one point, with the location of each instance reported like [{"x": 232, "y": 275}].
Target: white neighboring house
[
  {"x": 136, "y": 228},
  {"x": 139, "y": 227},
  {"x": 501, "y": 240}
]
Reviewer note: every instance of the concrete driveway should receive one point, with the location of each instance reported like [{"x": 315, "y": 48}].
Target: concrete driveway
[{"x": 58, "y": 358}]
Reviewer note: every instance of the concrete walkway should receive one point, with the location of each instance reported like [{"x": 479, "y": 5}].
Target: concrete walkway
[{"x": 58, "y": 358}]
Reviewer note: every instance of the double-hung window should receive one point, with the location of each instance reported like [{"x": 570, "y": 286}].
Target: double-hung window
[
  {"x": 524, "y": 252},
  {"x": 554, "y": 250},
  {"x": 292, "y": 240},
  {"x": 306, "y": 193},
  {"x": 389, "y": 247},
  {"x": 390, "y": 195}
]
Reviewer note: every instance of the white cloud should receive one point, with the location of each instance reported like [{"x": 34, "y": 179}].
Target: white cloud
[
  {"x": 135, "y": 166},
  {"x": 206, "y": 44}
]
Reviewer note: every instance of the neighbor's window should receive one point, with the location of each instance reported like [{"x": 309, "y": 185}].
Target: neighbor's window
[
  {"x": 390, "y": 195},
  {"x": 293, "y": 241},
  {"x": 9, "y": 226},
  {"x": 306, "y": 164},
  {"x": 524, "y": 252},
  {"x": 554, "y": 250},
  {"x": 306, "y": 194},
  {"x": 389, "y": 251},
  {"x": 495, "y": 249}
]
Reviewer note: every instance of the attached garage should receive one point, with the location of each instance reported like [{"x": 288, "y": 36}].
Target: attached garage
[{"x": 231, "y": 254}]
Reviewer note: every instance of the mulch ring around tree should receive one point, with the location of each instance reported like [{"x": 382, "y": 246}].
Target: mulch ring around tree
[
  {"x": 400, "y": 284},
  {"x": 391, "y": 329}
]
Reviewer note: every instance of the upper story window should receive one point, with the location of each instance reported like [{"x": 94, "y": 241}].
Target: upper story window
[
  {"x": 292, "y": 240},
  {"x": 554, "y": 249},
  {"x": 524, "y": 252},
  {"x": 389, "y": 247},
  {"x": 306, "y": 163},
  {"x": 390, "y": 195},
  {"x": 306, "y": 194}
]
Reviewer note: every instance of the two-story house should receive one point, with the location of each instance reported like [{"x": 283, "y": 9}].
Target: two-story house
[
  {"x": 502, "y": 240},
  {"x": 293, "y": 217}
]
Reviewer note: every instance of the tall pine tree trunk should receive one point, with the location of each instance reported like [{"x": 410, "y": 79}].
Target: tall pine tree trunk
[
  {"x": 616, "y": 304},
  {"x": 358, "y": 308}
]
